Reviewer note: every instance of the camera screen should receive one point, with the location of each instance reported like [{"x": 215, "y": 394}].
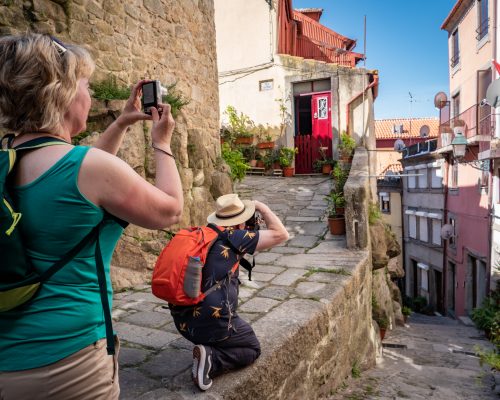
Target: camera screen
[{"x": 148, "y": 93}]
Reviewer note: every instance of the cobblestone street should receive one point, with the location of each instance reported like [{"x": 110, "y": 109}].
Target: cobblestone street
[
  {"x": 155, "y": 360},
  {"x": 430, "y": 358}
]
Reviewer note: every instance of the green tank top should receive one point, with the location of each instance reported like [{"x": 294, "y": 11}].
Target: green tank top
[{"x": 66, "y": 315}]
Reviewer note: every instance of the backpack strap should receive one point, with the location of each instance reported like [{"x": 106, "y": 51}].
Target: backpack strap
[
  {"x": 37, "y": 143},
  {"x": 242, "y": 261}
]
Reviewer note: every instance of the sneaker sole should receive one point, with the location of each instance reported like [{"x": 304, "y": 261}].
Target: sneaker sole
[{"x": 200, "y": 354}]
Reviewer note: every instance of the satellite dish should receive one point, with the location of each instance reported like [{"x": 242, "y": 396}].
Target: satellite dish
[
  {"x": 493, "y": 93},
  {"x": 440, "y": 100},
  {"x": 424, "y": 131},
  {"x": 447, "y": 231},
  {"x": 399, "y": 145}
]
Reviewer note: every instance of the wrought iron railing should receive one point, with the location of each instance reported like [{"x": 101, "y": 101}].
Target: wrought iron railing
[{"x": 482, "y": 30}]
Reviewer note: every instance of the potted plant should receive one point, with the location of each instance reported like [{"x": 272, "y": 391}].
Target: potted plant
[
  {"x": 336, "y": 220},
  {"x": 287, "y": 154},
  {"x": 340, "y": 175},
  {"x": 250, "y": 154},
  {"x": 346, "y": 147},
  {"x": 265, "y": 138},
  {"x": 383, "y": 324},
  {"x": 406, "y": 312},
  {"x": 241, "y": 127}
]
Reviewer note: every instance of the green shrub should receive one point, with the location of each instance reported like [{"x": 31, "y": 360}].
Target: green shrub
[
  {"x": 175, "y": 98},
  {"x": 490, "y": 357},
  {"x": 406, "y": 311},
  {"x": 346, "y": 145},
  {"x": 287, "y": 154},
  {"x": 240, "y": 125},
  {"x": 236, "y": 162},
  {"x": 374, "y": 213},
  {"x": 108, "y": 89},
  {"x": 419, "y": 303}
]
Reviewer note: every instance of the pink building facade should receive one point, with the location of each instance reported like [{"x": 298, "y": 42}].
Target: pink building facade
[{"x": 467, "y": 245}]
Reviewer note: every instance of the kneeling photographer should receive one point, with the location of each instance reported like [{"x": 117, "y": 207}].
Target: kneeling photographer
[{"x": 223, "y": 340}]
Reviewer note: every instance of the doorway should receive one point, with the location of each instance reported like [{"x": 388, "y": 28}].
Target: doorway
[{"x": 313, "y": 123}]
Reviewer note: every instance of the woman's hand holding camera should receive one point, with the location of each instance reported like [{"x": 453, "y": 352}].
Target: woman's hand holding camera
[
  {"x": 163, "y": 126},
  {"x": 132, "y": 111}
]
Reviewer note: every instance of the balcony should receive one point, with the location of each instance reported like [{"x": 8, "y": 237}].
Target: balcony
[
  {"x": 482, "y": 30},
  {"x": 420, "y": 148},
  {"x": 478, "y": 123}
]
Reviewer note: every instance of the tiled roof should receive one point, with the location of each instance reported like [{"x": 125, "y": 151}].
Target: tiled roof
[
  {"x": 384, "y": 128},
  {"x": 396, "y": 168}
]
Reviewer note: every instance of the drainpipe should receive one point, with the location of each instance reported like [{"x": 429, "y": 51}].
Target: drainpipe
[
  {"x": 445, "y": 242},
  {"x": 348, "y": 107}
]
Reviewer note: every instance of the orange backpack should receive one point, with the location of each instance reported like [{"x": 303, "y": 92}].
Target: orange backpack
[{"x": 170, "y": 268}]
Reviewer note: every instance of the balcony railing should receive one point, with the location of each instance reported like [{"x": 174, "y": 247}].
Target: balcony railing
[
  {"x": 420, "y": 148},
  {"x": 478, "y": 124},
  {"x": 482, "y": 30},
  {"x": 455, "y": 60}
]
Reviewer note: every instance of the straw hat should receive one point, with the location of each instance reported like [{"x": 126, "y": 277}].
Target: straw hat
[{"x": 230, "y": 210}]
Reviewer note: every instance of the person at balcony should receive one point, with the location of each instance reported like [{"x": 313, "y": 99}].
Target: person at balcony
[
  {"x": 53, "y": 347},
  {"x": 224, "y": 341}
]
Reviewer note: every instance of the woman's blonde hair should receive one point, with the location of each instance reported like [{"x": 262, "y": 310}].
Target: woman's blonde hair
[{"x": 38, "y": 81}]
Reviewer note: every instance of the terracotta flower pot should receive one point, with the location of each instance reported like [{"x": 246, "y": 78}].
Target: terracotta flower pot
[
  {"x": 288, "y": 171},
  {"x": 326, "y": 169},
  {"x": 276, "y": 165},
  {"x": 244, "y": 140},
  {"x": 253, "y": 163},
  {"x": 340, "y": 210},
  {"x": 265, "y": 145},
  {"x": 382, "y": 333},
  {"x": 260, "y": 164},
  {"x": 337, "y": 225}
]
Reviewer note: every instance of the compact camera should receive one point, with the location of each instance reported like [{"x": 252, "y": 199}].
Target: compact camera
[
  {"x": 151, "y": 96},
  {"x": 253, "y": 224}
]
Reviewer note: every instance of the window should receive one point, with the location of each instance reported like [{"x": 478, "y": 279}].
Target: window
[
  {"x": 412, "y": 183},
  {"x": 266, "y": 85},
  {"x": 423, "y": 229},
  {"x": 322, "y": 108},
  {"x": 485, "y": 177},
  {"x": 483, "y": 19},
  {"x": 455, "y": 105},
  {"x": 454, "y": 176},
  {"x": 424, "y": 276},
  {"x": 455, "y": 50},
  {"x": 385, "y": 202},
  {"x": 412, "y": 226},
  {"x": 436, "y": 177},
  {"x": 422, "y": 178},
  {"x": 452, "y": 241},
  {"x": 436, "y": 231}
]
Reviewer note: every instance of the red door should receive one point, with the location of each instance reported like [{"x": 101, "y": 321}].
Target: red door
[
  {"x": 321, "y": 117},
  {"x": 320, "y": 136}
]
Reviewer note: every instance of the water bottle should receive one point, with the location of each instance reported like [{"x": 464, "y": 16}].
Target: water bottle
[{"x": 192, "y": 278}]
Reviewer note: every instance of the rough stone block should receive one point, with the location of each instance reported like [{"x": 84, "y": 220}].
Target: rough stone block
[
  {"x": 145, "y": 336},
  {"x": 259, "y": 304},
  {"x": 303, "y": 241},
  {"x": 130, "y": 356},
  {"x": 168, "y": 363},
  {"x": 148, "y": 319},
  {"x": 289, "y": 277}
]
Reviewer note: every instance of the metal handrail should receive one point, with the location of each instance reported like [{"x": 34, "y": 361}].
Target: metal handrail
[
  {"x": 454, "y": 60},
  {"x": 482, "y": 30}
]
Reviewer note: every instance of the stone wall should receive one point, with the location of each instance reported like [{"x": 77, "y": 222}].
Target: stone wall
[
  {"x": 173, "y": 41},
  {"x": 310, "y": 346},
  {"x": 357, "y": 195}
]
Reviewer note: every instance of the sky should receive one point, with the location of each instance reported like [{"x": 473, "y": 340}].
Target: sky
[{"x": 404, "y": 43}]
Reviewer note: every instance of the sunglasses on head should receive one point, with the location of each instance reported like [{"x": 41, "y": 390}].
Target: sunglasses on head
[{"x": 61, "y": 49}]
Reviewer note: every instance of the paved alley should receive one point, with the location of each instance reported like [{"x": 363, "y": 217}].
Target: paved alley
[
  {"x": 155, "y": 361},
  {"x": 430, "y": 358}
]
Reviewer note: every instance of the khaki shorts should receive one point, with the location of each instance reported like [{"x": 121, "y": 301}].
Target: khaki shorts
[{"x": 88, "y": 374}]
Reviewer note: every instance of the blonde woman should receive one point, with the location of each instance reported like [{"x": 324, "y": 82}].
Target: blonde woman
[{"x": 54, "y": 347}]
